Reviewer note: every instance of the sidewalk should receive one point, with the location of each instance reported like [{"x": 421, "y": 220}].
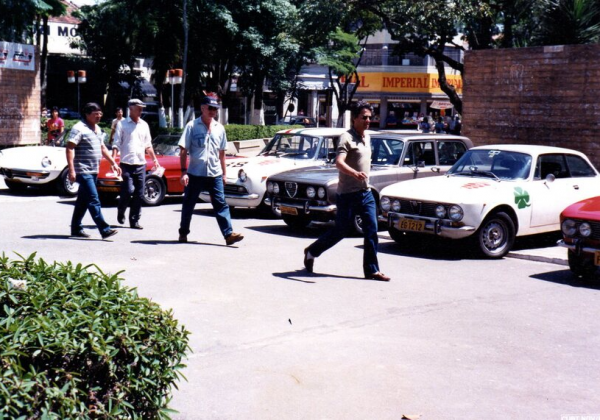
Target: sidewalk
[{"x": 553, "y": 255}]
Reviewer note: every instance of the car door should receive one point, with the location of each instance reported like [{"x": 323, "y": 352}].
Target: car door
[
  {"x": 549, "y": 198},
  {"x": 418, "y": 159}
]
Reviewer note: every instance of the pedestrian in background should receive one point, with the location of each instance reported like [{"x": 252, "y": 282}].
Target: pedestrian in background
[
  {"x": 425, "y": 125},
  {"x": 85, "y": 148},
  {"x": 113, "y": 126},
  {"x": 354, "y": 197},
  {"x": 205, "y": 141},
  {"x": 133, "y": 141},
  {"x": 439, "y": 126},
  {"x": 55, "y": 125}
]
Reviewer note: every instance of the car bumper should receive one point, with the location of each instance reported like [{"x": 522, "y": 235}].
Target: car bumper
[
  {"x": 305, "y": 207},
  {"x": 108, "y": 186},
  {"x": 236, "y": 200},
  {"x": 28, "y": 176},
  {"x": 432, "y": 226},
  {"x": 578, "y": 248}
]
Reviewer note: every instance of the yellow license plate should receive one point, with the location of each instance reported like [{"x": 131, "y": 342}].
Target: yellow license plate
[
  {"x": 288, "y": 210},
  {"x": 412, "y": 225},
  {"x": 597, "y": 257}
]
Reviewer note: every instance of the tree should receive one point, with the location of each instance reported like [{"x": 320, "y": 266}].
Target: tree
[{"x": 564, "y": 22}]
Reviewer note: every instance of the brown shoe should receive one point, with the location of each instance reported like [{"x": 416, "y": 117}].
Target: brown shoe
[
  {"x": 378, "y": 276},
  {"x": 233, "y": 238},
  {"x": 308, "y": 262}
]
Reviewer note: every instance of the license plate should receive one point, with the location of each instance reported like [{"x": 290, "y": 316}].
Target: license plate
[
  {"x": 412, "y": 225},
  {"x": 288, "y": 210},
  {"x": 597, "y": 257}
]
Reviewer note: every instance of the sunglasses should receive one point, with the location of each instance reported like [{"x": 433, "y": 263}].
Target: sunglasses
[
  {"x": 366, "y": 117},
  {"x": 212, "y": 108}
]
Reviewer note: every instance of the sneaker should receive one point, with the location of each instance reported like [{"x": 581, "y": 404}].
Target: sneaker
[
  {"x": 80, "y": 234},
  {"x": 233, "y": 238},
  {"x": 182, "y": 239},
  {"x": 308, "y": 262},
  {"x": 109, "y": 233}
]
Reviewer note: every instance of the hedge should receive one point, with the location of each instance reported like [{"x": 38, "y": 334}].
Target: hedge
[{"x": 74, "y": 343}]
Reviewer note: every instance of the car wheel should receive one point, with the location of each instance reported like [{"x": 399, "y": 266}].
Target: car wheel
[
  {"x": 64, "y": 185},
  {"x": 154, "y": 191},
  {"x": 496, "y": 235},
  {"x": 580, "y": 265},
  {"x": 296, "y": 222},
  {"x": 15, "y": 186}
]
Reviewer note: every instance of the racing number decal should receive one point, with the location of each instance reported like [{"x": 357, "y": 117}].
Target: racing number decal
[{"x": 521, "y": 198}]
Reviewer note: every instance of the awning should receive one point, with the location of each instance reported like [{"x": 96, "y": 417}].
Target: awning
[
  {"x": 312, "y": 83},
  {"x": 441, "y": 105}
]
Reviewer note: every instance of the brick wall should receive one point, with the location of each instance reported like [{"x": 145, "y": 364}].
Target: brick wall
[
  {"x": 543, "y": 95},
  {"x": 20, "y": 107}
]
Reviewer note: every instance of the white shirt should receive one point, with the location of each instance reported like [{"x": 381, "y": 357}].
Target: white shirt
[{"x": 131, "y": 140}]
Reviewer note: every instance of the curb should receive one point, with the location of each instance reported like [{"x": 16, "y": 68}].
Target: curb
[{"x": 538, "y": 258}]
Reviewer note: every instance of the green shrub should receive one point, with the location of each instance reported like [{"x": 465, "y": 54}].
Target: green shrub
[
  {"x": 74, "y": 343},
  {"x": 235, "y": 131},
  {"x": 105, "y": 126}
]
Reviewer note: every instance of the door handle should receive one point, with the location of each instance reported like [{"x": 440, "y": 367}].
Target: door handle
[{"x": 576, "y": 187}]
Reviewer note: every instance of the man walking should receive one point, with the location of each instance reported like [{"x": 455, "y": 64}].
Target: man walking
[
  {"x": 85, "y": 148},
  {"x": 132, "y": 139},
  {"x": 354, "y": 196},
  {"x": 204, "y": 140}
]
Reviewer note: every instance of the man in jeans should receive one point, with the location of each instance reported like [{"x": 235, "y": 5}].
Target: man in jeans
[
  {"x": 204, "y": 140},
  {"x": 354, "y": 196},
  {"x": 132, "y": 140},
  {"x": 85, "y": 148}
]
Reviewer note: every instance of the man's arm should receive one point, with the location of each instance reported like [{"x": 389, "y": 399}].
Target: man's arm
[
  {"x": 183, "y": 162},
  {"x": 116, "y": 146},
  {"x": 223, "y": 165},
  {"x": 70, "y": 161},
  {"x": 113, "y": 164},
  {"x": 340, "y": 163}
]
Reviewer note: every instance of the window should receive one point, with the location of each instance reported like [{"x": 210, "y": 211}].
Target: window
[
  {"x": 551, "y": 164},
  {"x": 450, "y": 151},
  {"x": 386, "y": 151},
  {"x": 579, "y": 167},
  {"x": 420, "y": 152}
]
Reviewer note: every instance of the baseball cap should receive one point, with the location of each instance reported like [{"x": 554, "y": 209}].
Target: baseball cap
[
  {"x": 210, "y": 101},
  {"x": 136, "y": 102}
]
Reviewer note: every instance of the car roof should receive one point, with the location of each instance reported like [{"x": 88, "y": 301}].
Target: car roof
[
  {"x": 316, "y": 131},
  {"x": 415, "y": 135},
  {"x": 528, "y": 148}
]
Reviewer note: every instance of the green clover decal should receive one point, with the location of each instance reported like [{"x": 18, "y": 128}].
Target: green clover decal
[{"x": 521, "y": 198}]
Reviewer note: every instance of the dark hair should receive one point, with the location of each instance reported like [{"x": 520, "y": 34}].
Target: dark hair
[
  {"x": 54, "y": 108},
  {"x": 358, "y": 107},
  {"x": 89, "y": 108},
  {"x": 117, "y": 109}
]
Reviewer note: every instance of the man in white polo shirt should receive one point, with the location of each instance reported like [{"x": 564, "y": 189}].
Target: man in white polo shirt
[{"x": 132, "y": 140}]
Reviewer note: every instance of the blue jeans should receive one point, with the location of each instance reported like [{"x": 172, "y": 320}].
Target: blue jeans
[
  {"x": 348, "y": 205},
  {"x": 214, "y": 186},
  {"x": 132, "y": 191},
  {"x": 87, "y": 199}
]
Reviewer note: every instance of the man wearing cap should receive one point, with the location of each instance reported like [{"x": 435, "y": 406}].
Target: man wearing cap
[
  {"x": 204, "y": 140},
  {"x": 132, "y": 140}
]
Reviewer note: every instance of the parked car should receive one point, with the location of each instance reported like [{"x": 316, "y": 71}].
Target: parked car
[
  {"x": 491, "y": 195},
  {"x": 299, "y": 120},
  {"x": 156, "y": 187},
  {"x": 292, "y": 148},
  {"x": 37, "y": 166},
  {"x": 307, "y": 195},
  {"x": 68, "y": 113},
  {"x": 580, "y": 225}
]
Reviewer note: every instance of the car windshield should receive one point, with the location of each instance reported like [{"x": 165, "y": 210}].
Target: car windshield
[
  {"x": 166, "y": 145},
  {"x": 496, "y": 164},
  {"x": 296, "y": 146}
]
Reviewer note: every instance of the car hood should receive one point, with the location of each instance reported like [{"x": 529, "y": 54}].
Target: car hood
[
  {"x": 31, "y": 157},
  {"x": 448, "y": 189},
  {"x": 318, "y": 175},
  {"x": 267, "y": 165},
  {"x": 586, "y": 209}
]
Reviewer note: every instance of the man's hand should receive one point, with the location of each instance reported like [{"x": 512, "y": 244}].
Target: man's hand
[
  {"x": 360, "y": 176},
  {"x": 224, "y": 179},
  {"x": 185, "y": 179},
  {"x": 72, "y": 176},
  {"x": 116, "y": 168}
]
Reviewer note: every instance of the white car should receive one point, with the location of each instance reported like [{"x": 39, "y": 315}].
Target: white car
[
  {"x": 39, "y": 166},
  {"x": 492, "y": 194},
  {"x": 289, "y": 149}
]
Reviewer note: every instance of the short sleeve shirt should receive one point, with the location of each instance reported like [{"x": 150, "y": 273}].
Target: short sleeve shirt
[
  {"x": 358, "y": 156},
  {"x": 204, "y": 147},
  {"x": 132, "y": 139},
  {"x": 88, "y": 149},
  {"x": 54, "y": 126}
]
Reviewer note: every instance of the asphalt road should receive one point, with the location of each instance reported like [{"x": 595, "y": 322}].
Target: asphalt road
[{"x": 450, "y": 337}]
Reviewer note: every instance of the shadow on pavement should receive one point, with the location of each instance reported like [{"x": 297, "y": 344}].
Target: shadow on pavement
[
  {"x": 61, "y": 237},
  {"x": 542, "y": 240},
  {"x": 284, "y": 230},
  {"x": 176, "y": 242},
  {"x": 291, "y": 275},
  {"x": 567, "y": 278},
  {"x": 429, "y": 248}
]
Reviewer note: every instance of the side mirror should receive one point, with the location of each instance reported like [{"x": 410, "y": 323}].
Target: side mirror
[
  {"x": 550, "y": 178},
  {"x": 435, "y": 169},
  {"x": 421, "y": 164}
]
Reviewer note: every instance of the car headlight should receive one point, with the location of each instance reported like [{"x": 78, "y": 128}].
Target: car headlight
[
  {"x": 440, "y": 212},
  {"x": 242, "y": 175},
  {"x": 321, "y": 192},
  {"x": 385, "y": 203},
  {"x": 396, "y": 205},
  {"x": 269, "y": 187},
  {"x": 568, "y": 227},
  {"x": 275, "y": 188},
  {"x": 585, "y": 229},
  {"x": 455, "y": 213},
  {"x": 311, "y": 192},
  {"x": 46, "y": 162}
]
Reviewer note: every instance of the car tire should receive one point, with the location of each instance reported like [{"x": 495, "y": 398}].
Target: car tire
[
  {"x": 296, "y": 222},
  {"x": 496, "y": 235},
  {"x": 154, "y": 191},
  {"x": 581, "y": 266},
  {"x": 16, "y": 187},
  {"x": 64, "y": 186}
]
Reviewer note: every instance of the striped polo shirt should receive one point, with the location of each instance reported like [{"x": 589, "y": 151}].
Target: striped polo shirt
[{"x": 88, "y": 150}]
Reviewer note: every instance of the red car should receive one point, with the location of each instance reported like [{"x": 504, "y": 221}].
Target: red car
[
  {"x": 580, "y": 225},
  {"x": 155, "y": 189}
]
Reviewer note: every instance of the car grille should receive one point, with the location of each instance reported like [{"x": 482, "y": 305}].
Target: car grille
[
  {"x": 233, "y": 189},
  {"x": 291, "y": 188},
  {"x": 595, "y": 229},
  {"x": 418, "y": 208},
  {"x": 19, "y": 173}
]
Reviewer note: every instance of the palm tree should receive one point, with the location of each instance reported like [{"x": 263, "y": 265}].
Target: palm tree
[{"x": 566, "y": 22}]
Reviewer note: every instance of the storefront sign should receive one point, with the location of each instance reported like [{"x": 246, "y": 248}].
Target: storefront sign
[
  {"x": 405, "y": 82},
  {"x": 17, "y": 56},
  {"x": 441, "y": 105}
]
